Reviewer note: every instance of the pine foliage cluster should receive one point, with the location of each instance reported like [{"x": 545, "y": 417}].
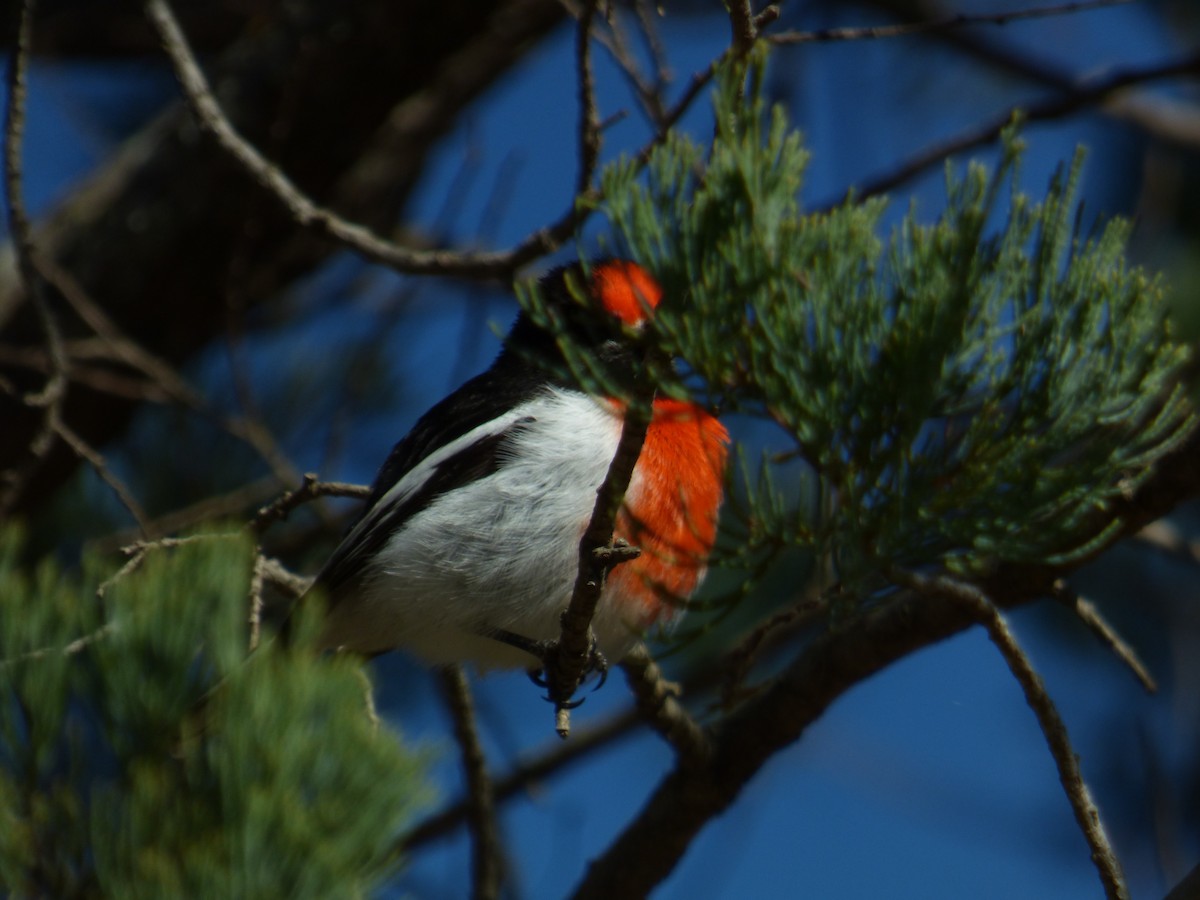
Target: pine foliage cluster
[
  {"x": 145, "y": 753},
  {"x": 974, "y": 390}
]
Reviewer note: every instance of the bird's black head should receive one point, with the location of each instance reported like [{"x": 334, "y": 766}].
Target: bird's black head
[{"x": 584, "y": 318}]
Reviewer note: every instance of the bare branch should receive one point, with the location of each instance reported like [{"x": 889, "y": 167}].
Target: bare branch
[
  {"x": 85, "y": 451},
  {"x": 304, "y": 210},
  {"x": 1053, "y": 728},
  {"x": 741, "y": 23},
  {"x": 589, "y": 116},
  {"x": 1165, "y": 118},
  {"x": 76, "y": 646},
  {"x": 1108, "y": 635},
  {"x": 283, "y": 578},
  {"x": 139, "y": 550},
  {"x": 162, "y": 376},
  {"x": 210, "y": 509},
  {"x": 649, "y": 91},
  {"x": 647, "y": 13},
  {"x": 573, "y": 652},
  {"x": 943, "y": 23},
  {"x": 257, "y": 577},
  {"x": 1088, "y": 93},
  {"x": 309, "y": 490},
  {"x": 740, "y": 660},
  {"x": 50, "y": 398},
  {"x": 1188, "y": 887},
  {"x": 553, "y": 759},
  {"x": 481, "y": 802},
  {"x": 658, "y": 703}
]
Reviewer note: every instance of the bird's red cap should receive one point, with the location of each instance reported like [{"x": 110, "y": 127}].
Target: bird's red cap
[{"x": 625, "y": 289}]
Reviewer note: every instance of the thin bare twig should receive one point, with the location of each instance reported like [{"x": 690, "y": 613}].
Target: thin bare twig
[
  {"x": 18, "y": 219},
  {"x": 1168, "y": 119},
  {"x": 658, "y": 702},
  {"x": 255, "y": 594},
  {"x": 308, "y": 213},
  {"x": 944, "y": 23},
  {"x": 589, "y": 116},
  {"x": 50, "y": 398},
  {"x": 131, "y": 565},
  {"x": 1053, "y": 728},
  {"x": 81, "y": 370},
  {"x": 647, "y": 12},
  {"x": 742, "y": 657},
  {"x": 283, "y": 578},
  {"x": 565, "y": 670},
  {"x": 1088, "y": 92},
  {"x": 121, "y": 490},
  {"x": 1108, "y": 635},
  {"x": 76, "y": 646},
  {"x": 139, "y": 550},
  {"x": 122, "y": 347},
  {"x": 486, "y": 867},
  {"x": 310, "y": 489},
  {"x": 553, "y": 759},
  {"x": 616, "y": 41},
  {"x": 210, "y": 509},
  {"x": 164, "y": 377},
  {"x": 698, "y": 83}
]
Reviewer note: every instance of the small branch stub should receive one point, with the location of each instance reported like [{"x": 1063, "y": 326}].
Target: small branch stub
[{"x": 575, "y": 654}]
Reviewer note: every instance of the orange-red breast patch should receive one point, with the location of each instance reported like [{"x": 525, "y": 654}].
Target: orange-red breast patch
[{"x": 671, "y": 512}]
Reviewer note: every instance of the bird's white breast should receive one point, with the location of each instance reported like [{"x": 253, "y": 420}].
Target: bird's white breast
[{"x": 500, "y": 552}]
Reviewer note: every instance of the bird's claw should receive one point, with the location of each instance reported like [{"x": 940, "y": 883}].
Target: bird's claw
[
  {"x": 597, "y": 663},
  {"x": 547, "y": 652}
]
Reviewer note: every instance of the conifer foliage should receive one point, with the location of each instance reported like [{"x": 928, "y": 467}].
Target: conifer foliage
[
  {"x": 145, "y": 753},
  {"x": 968, "y": 392}
]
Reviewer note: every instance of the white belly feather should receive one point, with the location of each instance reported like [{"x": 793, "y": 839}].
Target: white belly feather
[{"x": 501, "y": 552}]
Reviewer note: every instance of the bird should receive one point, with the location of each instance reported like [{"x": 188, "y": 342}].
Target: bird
[{"x": 467, "y": 547}]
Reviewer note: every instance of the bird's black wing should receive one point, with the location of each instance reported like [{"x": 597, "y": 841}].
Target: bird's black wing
[{"x": 488, "y": 396}]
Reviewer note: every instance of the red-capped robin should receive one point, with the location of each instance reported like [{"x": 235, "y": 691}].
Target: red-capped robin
[{"x": 467, "y": 549}]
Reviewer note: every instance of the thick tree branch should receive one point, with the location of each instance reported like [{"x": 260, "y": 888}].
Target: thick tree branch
[
  {"x": 1188, "y": 887},
  {"x": 688, "y": 798}
]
